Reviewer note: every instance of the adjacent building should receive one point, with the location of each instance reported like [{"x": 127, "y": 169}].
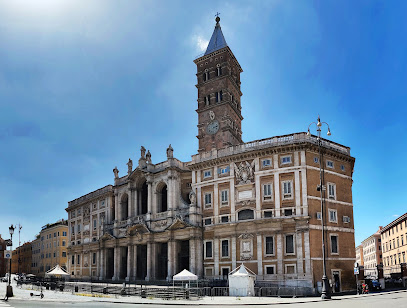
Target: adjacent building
[
  {"x": 394, "y": 246},
  {"x": 21, "y": 260},
  {"x": 50, "y": 247},
  {"x": 235, "y": 202},
  {"x": 3, "y": 261},
  {"x": 370, "y": 254}
]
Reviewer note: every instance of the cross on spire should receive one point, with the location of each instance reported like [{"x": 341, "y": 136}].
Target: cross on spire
[{"x": 217, "y": 19}]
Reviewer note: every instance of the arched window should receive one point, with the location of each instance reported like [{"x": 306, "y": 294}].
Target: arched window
[
  {"x": 124, "y": 207},
  {"x": 245, "y": 214},
  {"x": 143, "y": 199},
  {"x": 162, "y": 205}
]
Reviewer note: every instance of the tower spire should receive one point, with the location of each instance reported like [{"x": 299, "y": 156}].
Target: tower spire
[{"x": 217, "y": 40}]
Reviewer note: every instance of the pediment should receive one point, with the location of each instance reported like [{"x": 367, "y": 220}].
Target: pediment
[
  {"x": 106, "y": 237},
  {"x": 137, "y": 229},
  {"x": 178, "y": 224}
]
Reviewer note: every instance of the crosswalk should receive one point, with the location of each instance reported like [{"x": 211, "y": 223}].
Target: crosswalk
[{"x": 4, "y": 304}]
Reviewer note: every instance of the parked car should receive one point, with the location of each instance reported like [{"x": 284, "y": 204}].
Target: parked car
[{"x": 376, "y": 285}]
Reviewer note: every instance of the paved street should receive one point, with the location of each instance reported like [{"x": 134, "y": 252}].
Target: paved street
[{"x": 65, "y": 299}]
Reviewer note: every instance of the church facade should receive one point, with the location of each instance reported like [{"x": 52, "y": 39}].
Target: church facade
[{"x": 254, "y": 203}]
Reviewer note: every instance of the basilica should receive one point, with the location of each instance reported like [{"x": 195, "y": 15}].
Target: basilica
[{"x": 234, "y": 202}]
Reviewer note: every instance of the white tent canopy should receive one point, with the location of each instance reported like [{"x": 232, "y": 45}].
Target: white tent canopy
[
  {"x": 241, "y": 281},
  {"x": 57, "y": 271},
  {"x": 185, "y": 276}
]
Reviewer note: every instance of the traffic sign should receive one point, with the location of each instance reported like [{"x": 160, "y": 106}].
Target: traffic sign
[
  {"x": 7, "y": 254},
  {"x": 356, "y": 270}
]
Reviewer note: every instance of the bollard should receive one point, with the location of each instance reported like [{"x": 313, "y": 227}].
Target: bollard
[
  {"x": 143, "y": 294},
  {"x": 76, "y": 289},
  {"x": 105, "y": 290}
]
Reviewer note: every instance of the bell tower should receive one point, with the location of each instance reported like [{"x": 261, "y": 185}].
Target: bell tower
[{"x": 219, "y": 109}]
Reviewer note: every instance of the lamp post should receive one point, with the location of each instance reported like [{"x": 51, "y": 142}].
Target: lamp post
[
  {"x": 19, "y": 247},
  {"x": 9, "y": 292},
  {"x": 326, "y": 290}
]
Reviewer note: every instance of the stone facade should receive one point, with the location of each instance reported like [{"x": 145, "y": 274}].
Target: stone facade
[
  {"x": 3, "y": 261},
  {"x": 359, "y": 255},
  {"x": 394, "y": 247},
  {"x": 254, "y": 203}
]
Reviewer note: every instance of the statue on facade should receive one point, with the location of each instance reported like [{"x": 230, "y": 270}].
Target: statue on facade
[
  {"x": 170, "y": 152},
  {"x": 148, "y": 157},
  {"x": 244, "y": 172},
  {"x": 192, "y": 197},
  {"x": 143, "y": 152},
  {"x": 129, "y": 166},
  {"x": 116, "y": 172}
]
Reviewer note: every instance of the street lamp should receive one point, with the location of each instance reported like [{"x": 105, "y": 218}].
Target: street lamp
[
  {"x": 9, "y": 292},
  {"x": 326, "y": 290}
]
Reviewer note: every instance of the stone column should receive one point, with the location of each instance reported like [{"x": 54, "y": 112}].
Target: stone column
[
  {"x": 170, "y": 265},
  {"x": 258, "y": 196},
  {"x": 298, "y": 242},
  {"x": 150, "y": 197},
  {"x": 232, "y": 193},
  {"x": 216, "y": 255},
  {"x": 277, "y": 193},
  {"x": 129, "y": 262},
  {"x": 234, "y": 251},
  {"x": 116, "y": 207},
  {"x": 149, "y": 261},
  {"x": 102, "y": 274},
  {"x": 216, "y": 202},
  {"x": 192, "y": 255},
  {"x": 280, "y": 270},
  {"x": 117, "y": 261},
  {"x": 307, "y": 253},
  {"x": 259, "y": 256},
  {"x": 199, "y": 257},
  {"x": 297, "y": 192}
]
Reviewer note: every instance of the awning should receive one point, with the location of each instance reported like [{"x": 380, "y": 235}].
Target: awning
[
  {"x": 57, "y": 271},
  {"x": 185, "y": 276}
]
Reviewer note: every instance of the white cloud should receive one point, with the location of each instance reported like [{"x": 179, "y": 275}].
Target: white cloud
[
  {"x": 200, "y": 43},
  {"x": 396, "y": 215}
]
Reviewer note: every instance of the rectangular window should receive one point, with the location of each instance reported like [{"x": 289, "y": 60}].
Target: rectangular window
[
  {"x": 266, "y": 162},
  {"x": 288, "y": 212},
  {"x": 63, "y": 243},
  {"x": 270, "y": 270},
  {"x": 207, "y": 174},
  {"x": 331, "y": 191},
  {"x": 64, "y": 254},
  {"x": 78, "y": 259},
  {"x": 268, "y": 214},
  {"x": 94, "y": 258},
  {"x": 269, "y": 245},
  {"x": 94, "y": 224},
  {"x": 333, "y": 216},
  {"x": 290, "y": 269},
  {"x": 55, "y": 234},
  {"x": 342, "y": 167},
  {"x": 207, "y": 221},
  {"x": 316, "y": 160},
  {"x": 219, "y": 71},
  {"x": 334, "y": 244},
  {"x": 208, "y": 200},
  {"x": 267, "y": 192},
  {"x": 225, "y": 248},
  {"x": 346, "y": 219},
  {"x": 329, "y": 164},
  {"x": 208, "y": 249},
  {"x": 207, "y": 100},
  {"x": 289, "y": 244},
  {"x": 319, "y": 215},
  {"x": 286, "y": 160},
  {"x": 224, "y": 170},
  {"x": 224, "y": 197},
  {"x": 287, "y": 190},
  {"x": 224, "y": 219},
  {"x": 79, "y": 228}
]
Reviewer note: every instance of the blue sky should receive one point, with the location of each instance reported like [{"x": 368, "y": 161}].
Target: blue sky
[{"x": 83, "y": 84}]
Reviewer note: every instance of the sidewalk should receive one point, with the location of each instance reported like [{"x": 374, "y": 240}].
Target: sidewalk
[{"x": 53, "y": 296}]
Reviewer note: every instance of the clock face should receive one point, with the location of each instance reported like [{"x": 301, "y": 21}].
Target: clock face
[{"x": 212, "y": 127}]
